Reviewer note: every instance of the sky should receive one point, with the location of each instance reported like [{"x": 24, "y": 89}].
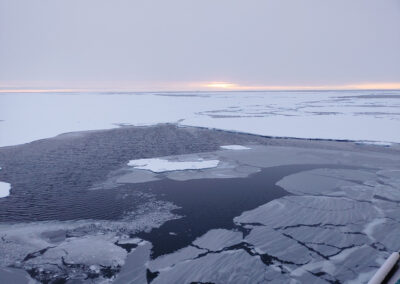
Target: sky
[{"x": 199, "y": 45}]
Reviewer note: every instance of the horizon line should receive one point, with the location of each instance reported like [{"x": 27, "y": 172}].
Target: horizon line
[
  {"x": 38, "y": 91},
  {"x": 218, "y": 86}
]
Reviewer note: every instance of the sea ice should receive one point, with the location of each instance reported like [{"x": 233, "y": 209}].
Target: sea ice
[
  {"x": 12, "y": 275},
  {"x": 4, "y": 189},
  {"x": 226, "y": 267},
  {"x": 309, "y": 210},
  {"x": 159, "y": 165},
  {"x": 267, "y": 240},
  {"x": 218, "y": 239},
  {"x": 91, "y": 250},
  {"x": 165, "y": 261},
  {"x": 235, "y": 147},
  {"x": 323, "y": 115},
  {"x": 378, "y": 143},
  {"x": 134, "y": 270},
  {"x": 73, "y": 249}
]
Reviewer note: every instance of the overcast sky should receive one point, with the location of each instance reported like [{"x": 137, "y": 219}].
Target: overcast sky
[{"x": 89, "y": 43}]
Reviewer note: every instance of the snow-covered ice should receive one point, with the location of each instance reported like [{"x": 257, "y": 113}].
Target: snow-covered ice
[
  {"x": 165, "y": 261},
  {"x": 5, "y": 188},
  {"x": 326, "y": 115},
  {"x": 134, "y": 270},
  {"x": 12, "y": 275},
  {"x": 217, "y": 239},
  {"x": 159, "y": 165},
  {"x": 339, "y": 223},
  {"x": 378, "y": 143},
  {"x": 223, "y": 267},
  {"x": 338, "y": 226},
  {"x": 235, "y": 147}
]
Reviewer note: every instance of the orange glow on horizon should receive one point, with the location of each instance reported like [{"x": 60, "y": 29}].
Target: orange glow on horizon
[
  {"x": 360, "y": 86},
  {"x": 222, "y": 85},
  {"x": 202, "y": 86}
]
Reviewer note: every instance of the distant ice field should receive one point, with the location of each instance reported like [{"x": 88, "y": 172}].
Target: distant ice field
[{"x": 371, "y": 116}]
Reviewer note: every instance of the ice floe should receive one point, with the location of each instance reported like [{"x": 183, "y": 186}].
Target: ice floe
[
  {"x": 266, "y": 240},
  {"x": 5, "y": 188},
  {"x": 74, "y": 249},
  {"x": 378, "y": 143},
  {"x": 309, "y": 210},
  {"x": 235, "y": 147},
  {"x": 217, "y": 239},
  {"x": 342, "y": 238},
  {"x": 159, "y": 165},
  {"x": 338, "y": 229},
  {"x": 12, "y": 275},
  {"x": 134, "y": 270},
  {"x": 164, "y": 262},
  {"x": 226, "y": 267},
  {"x": 339, "y": 225},
  {"x": 89, "y": 251}
]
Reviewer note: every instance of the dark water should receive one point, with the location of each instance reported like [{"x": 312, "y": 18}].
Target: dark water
[
  {"x": 50, "y": 181},
  {"x": 50, "y": 178},
  {"x": 212, "y": 203}
]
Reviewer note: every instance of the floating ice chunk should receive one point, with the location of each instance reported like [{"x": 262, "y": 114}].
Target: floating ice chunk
[
  {"x": 12, "y": 275},
  {"x": 235, "y": 147},
  {"x": 309, "y": 210},
  {"x": 218, "y": 239},
  {"x": 132, "y": 241},
  {"x": 312, "y": 182},
  {"x": 371, "y": 226},
  {"x": 91, "y": 250},
  {"x": 235, "y": 266},
  {"x": 377, "y": 143},
  {"x": 387, "y": 233},
  {"x": 267, "y": 240},
  {"x": 95, "y": 268},
  {"x": 326, "y": 240},
  {"x": 356, "y": 263},
  {"x": 165, "y": 261},
  {"x": 4, "y": 189},
  {"x": 159, "y": 165},
  {"x": 134, "y": 270}
]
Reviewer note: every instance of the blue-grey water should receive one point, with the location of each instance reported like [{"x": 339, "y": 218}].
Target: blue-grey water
[{"x": 51, "y": 179}]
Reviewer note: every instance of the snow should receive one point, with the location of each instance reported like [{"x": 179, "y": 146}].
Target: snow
[
  {"x": 134, "y": 269},
  {"x": 216, "y": 268},
  {"x": 18, "y": 240},
  {"x": 335, "y": 234},
  {"x": 4, "y": 189},
  {"x": 235, "y": 147},
  {"x": 87, "y": 250},
  {"x": 13, "y": 275},
  {"x": 166, "y": 261},
  {"x": 377, "y": 143},
  {"x": 159, "y": 165},
  {"x": 324, "y": 115},
  {"x": 338, "y": 224},
  {"x": 217, "y": 239}
]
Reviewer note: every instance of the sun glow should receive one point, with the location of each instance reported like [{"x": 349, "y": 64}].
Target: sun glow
[
  {"x": 185, "y": 87},
  {"x": 222, "y": 85},
  {"x": 238, "y": 87}
]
